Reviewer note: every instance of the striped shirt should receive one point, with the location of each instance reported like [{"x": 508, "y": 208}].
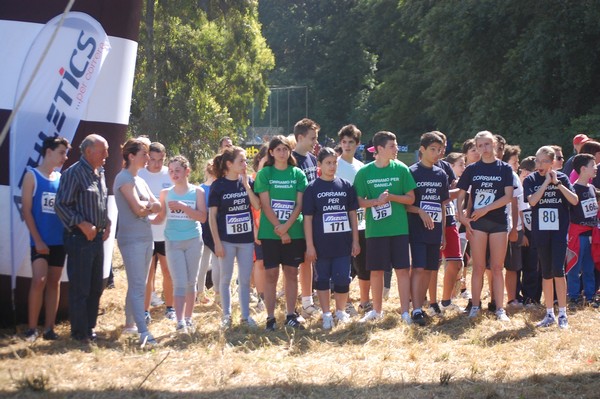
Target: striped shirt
[{"x": 82, "y": 196}]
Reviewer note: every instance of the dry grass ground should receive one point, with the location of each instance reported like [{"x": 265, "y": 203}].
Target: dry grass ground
[{"x": 451, "y": 358}]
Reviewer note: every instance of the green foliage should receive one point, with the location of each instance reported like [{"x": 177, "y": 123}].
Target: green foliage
[{"x": 201, "y": 65}]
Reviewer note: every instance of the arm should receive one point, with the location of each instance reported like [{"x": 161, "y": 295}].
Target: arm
[
  {"x": 138, "y": 207},
  {"x": 462, "y": 215},
  {"x": 311, "y": 253},
  {"x": 214, "y": 230},
  {"x": 162, "y": 213},
  {"x": 569, "y": 195},
  {"x": 254, "y": 200},
  {"x": 355, "y": 240},
  {"x": 283, "y": 228},
  {"x": 27, "y": 201},
  {"x": 425, "y": 217},
  {"x": 513, "y": 235},
  {"x": 500, "y": 202},
  {"x": 265, "y": 201},
  {"x": 406, "y": 199},
  {"x": 534, "y": 198}
]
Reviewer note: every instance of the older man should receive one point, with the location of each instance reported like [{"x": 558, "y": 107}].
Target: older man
[{"x": 81, "y": 205}]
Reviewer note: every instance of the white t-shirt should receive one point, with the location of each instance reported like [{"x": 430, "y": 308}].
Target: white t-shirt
[
  {"x": 157, "y": 182},
  {"x": 346, "y": 170}
]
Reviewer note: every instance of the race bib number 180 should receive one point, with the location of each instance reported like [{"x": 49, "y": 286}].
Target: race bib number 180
[{"x": 239, "y": 223}]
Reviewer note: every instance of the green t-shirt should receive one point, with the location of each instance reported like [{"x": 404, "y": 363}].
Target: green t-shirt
[
  {"x": 282, "y": 185},
  {"x": 370, "y": 181}
]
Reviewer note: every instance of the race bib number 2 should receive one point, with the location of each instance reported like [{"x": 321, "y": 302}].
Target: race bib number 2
[
  {"x": 382, "y": 211},
  {"x": 335, "y": 222},
  {"x": 283, "y": 208},
  {"x": 48, "y": 202}
]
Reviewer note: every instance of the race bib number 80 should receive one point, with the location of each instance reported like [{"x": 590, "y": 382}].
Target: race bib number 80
[{"x": 548, "y": 218}]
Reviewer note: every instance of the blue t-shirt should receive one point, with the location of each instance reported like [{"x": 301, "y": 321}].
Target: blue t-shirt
[
  {"x": 487, "y": 182},
  {"x": 551, "y": 213},
  {"x": 234, "y": 216},
  {"x": 586, "y": 211},
  {"x": 450, "y": 207},
  {"x": 47, "y": 223},
  {"x": 179, "y": 226},
  {"x": 308, "y": 164},
  {"x": 431, "y": 192},
  {"x": 329, "y": 203}
]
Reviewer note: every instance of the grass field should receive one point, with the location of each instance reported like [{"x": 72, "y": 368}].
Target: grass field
[{"x": 451, "y": 358}]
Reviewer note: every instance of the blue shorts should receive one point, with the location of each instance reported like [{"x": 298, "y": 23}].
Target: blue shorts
[
  {"x": 385, "y": 253},
  {"x": 425, "y": 256},
  {"x": 335, "y": 269}
]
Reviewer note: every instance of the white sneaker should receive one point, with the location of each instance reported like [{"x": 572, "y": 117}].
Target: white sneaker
[
  {"x": 351, "y": 310},
  {"x": 190, "y": 325},
  {"x": 155, "y": 300},
  {"x": 342, "y": 317},
  {"x": 474, "y": 312},
  {"x": 327, "y": 321},
  {"x": 371, "y": 315},
  {"x": 451, "y": 308},
  {"x": 129, "y": 330},
  {"x": 249, "y": 322},
  {"x": 465, "y": 294},
  {"x": 310, "y": 311},
  {"x": 563, "y": 323},
  {"x": 406, "y": 318},
  {"x": 386, "y": 293},
  {"x": 147, "y": 340},
  {"x": 181, "y": 327},
  {"x": 547, "y": 321},
  {"x": 501, "y": 315},
  {"x": 226, "y": 322}
]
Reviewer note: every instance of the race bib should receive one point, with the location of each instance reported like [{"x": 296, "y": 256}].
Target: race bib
[
  {"x": 433, "y": 209},
  {"x": 360, "y": 215},
  {"x": 527, "y": 219},
  {"x": 450, "y": 209},
  {"x": 483, "y": 198},
  {"x": 382, "y": 211},
  {"x": 336, "y": 222},
  {"x": 548, "y": 218},
  {"x": 239, "y": 223},
  {"x": 179, "y": 214},
  {"x": 590, "y": 207},
  {"x": 282, "y": 208},
  {"x": 48, "y": 202}
]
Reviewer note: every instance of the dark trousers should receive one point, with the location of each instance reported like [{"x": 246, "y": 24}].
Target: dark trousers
[
  {"x": 84, "y": 267},
  {"x": 531, "y": 286}
]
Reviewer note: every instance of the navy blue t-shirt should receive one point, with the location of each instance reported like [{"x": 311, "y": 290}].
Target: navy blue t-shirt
[
  {"x": 234, "y": 216},
  {"x": 487, "y": 182},
  {"x": 586, "y": 211},
  {"x": 308, "y": 164},
  {"x": 450, "y": 207},
  {"x": 431, "y": 192},
  {"x": 551, "y": 213},
  {"x": 329, "y": 203}
]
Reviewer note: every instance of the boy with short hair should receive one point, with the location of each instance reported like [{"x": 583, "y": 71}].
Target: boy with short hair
[
  {"x": 427, "y": 220},
  {"x": 385, "y": 187},
  {"x": 306, "y": 132},
  {"x": 584, "y": 220}
]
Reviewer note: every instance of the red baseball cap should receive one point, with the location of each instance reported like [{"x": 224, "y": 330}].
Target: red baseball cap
[{"x": 580, "y": 139}]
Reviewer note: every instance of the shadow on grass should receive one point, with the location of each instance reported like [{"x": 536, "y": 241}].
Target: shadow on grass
[{"x": 583, "y": 385}]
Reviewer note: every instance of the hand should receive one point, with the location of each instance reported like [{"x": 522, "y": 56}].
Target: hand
[
  {"x": 219, "y": 250},
  {"x": 548, "y": 179},
  {"x": 286, "y": 239},
  {"x": 88, "y": 230},
  {"x": 257, "y": 242},
  {"x": 383, "y": 198},
  {"x": 443, "y": 244},
  {"x": 280, "y": 230},
  {"x": 553, "y": 177},
  {"x": 525, "y": 242},
  {"x": 106, "y": 233},
  {"x": 245, "y": 180},
  {"x": 311, "y": 254},
  {"x": 479, "y": 213},
  {"x": 427, "y": 220},
  {"x": 513, "y": 236},
  {"x": 177, "y": 206},
  {"x": 355, "y": 248},
  {"x": 41, "y": 248}
]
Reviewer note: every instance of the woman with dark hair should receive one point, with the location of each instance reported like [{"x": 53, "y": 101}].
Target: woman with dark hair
[
  {"x": 280, "y": 185},
  {"x": 135, "y": 203}
]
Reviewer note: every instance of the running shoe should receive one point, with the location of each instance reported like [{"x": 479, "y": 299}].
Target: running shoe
[
  {"x": 452, "y": 307},
  {"x": 310, "y": 311},
  {"x": 226, "y": 322},
  {"x": 147, "y": 317},
  {"x": 327, "y": 321},
  {"x": 365, "y": 307},
  {"x": 342, "y": 317},
  {"x": 371, "y": 315},
  {"x": 156, "y": 300},
  {"x": 547, "y": 321},
  {"x": 170, "y": 313},
  {"x": 292, "y": 321},
  {"x": 501, "y": 315},
  {"x": 351, "y": 310},
  {"x": 406, "y": 318},
  {"x": 419, "y": 318},
  {"x": 563, "y": 323},
  {"x": 31, "y": 335},
  {"x": 50, "y": 335},
  {"x": 129, "y": 330},
  {"x": 271, "y": 324},
  {"x": 474, "y": 312},
  {"x": 434, "y": 309},
  {"x": 181, "y": 327},
  {"x": 147, "y": 340},
  {"x": 249, "y": 322}
]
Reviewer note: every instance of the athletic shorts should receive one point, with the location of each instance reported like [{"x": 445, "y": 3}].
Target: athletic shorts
[
  {"x": 333, "y": 270},
  {"x": 453, "y": 250},
  {"x": 385, "y": 253},
  {"x": 359, "y": 263},
  {"x": 276, "y": 253},
  {"x": 488, "y": 226},
  {"x": 425, "y": 256},
  {"x": 514, "y": 258},
  {"x": 55, "y": 258},
  {"x": 159, "y": 248}
]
